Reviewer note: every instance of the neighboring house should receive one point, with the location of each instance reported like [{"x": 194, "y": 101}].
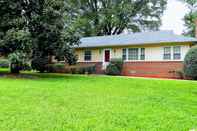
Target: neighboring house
[{"x": 148, "y": 54}]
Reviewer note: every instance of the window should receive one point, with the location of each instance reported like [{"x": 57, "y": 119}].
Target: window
[
  {"x": 142, "y": 54},
  {"x": 124, "y": 54},
  {"x": 176, "y": 52},
  {"x": 167, "y": 53},
  {"x": 87, "y": 55},
  {"x": 133, "y": 54}
]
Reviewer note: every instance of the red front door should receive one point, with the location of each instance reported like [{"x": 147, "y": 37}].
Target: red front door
[{"x": 107, "y": 55}]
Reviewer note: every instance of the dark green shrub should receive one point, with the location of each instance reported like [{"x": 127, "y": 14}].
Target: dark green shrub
[
  {"x": 40, "y": 64},
  {"x": 26, "y": 67},
  {"x": 4, "y": 63},
  {"x": 74, "y": 69},
  {"x": 56, "y": 68},
  {"x": 118, "y": 62},
  {"x": 115, "y": 67},
  {"x": 112, "y": 69},
  {"x": 17, "y": 60},
  {"x": 190, "y": 64},
  {"x": 89, "y": 69}
]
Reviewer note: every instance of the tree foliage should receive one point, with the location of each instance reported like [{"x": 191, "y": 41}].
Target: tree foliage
[
  {"x": 190, "y": 63},
  {"x": 110, "y": 17},
  {"x": 48, "y": 30},
  {"x": 190, "y": 17},
  {"x": 11, "y": 25},
  {"x": 14, "y": 37},
  {"x": 36, "y": 25}
]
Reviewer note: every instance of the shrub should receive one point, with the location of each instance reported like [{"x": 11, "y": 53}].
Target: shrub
[
  {"x": 17, "y": 60},
  {"x": 190, "y": 64},
  {"x": 56, "y": 68},
  {"x": 26, "y": 67},
  {"x": 87, "y": 70},
  {"x": 39, "y": 64},
  {"x": 4, "y": 63},
  {"x": 112, "y": 69},
  {"x": 115, "y": 67},
  {"x": 118, "y": 62},
  {"x": 83, "y": 69},
  {"x": 74, "y": 69}
]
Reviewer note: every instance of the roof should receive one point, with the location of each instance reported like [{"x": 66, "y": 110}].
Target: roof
[{"x": 134, "y": 39}]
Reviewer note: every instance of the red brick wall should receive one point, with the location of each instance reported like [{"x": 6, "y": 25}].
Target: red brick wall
[{"x": 158, "y": 69}]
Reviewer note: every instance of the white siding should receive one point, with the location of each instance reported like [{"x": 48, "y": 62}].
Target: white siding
[
  {"x": 152, "y": 53},
  {"x": 156, "y": 53}
]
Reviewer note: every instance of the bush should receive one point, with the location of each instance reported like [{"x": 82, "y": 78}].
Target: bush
[
  {"x": 4, "y": 63},
  {"x": 118, "y": 62},
  {"x": 190, "y": 64},
  {"x": 115, "y": 67},
  {"x": 39, "y": 64},
  {"x": 26, "y": 67},
  {"x": 87, "y": 70},
  {"x": 112, "y": 69},
  {"x": 74, "y": 69},
  {"x": 83, "y": 69},
  {"x": 56, "y": 68},
  {"x": 17, "y": 60}
]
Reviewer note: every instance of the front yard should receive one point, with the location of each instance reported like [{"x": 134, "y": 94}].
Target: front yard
[{"x": 51, "y": 102}]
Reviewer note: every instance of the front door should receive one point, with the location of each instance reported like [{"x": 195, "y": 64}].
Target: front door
[{"x": 107, "y": 55}]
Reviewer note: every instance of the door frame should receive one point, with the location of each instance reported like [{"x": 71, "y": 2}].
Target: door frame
[{"x": 110, "y": 54}]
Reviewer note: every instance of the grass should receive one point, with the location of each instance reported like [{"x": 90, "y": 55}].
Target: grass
[{"x": 54, "y": 102}]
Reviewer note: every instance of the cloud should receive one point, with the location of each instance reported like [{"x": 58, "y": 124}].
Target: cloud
[{"x": 173, "y": 16}]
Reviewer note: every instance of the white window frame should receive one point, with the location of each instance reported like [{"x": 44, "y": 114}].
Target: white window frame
[
  {"x": 164, "y": 53},
  {"x": 139, "y": 54},
  {"x": 174, "y": 52},
  {"x": 90, "y": 55},
  {"x": 126, "y": 54}
]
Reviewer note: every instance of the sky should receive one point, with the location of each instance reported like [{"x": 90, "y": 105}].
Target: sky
[{"x": 173, "y": 16}]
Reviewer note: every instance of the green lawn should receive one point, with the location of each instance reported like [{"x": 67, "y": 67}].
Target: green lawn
[{"x": 96, "y": 103}]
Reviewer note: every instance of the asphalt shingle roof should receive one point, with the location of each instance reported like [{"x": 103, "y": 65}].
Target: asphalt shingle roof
[{"x": 134, "y": 39}]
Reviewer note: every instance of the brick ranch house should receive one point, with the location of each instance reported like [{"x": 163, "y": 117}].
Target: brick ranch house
[{"x": 148, "y": 54}]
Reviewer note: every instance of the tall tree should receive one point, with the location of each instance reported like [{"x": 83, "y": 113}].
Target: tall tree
[
  {"x": 46, "y": 24},
  {"x": 14, "y": 36},
  {"x": 110, "y": 17},
  {"x": 11, "y": 18},
  {"x": 190, "y": 17},
  {"x": 42, "y": 21}
]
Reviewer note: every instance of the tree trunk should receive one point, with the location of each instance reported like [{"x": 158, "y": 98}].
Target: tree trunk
[
  {"x": 14, "y": 68},
  {"x": 50, "y": 59}
]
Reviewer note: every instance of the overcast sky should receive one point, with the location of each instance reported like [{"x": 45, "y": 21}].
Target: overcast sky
[{"x": 173, "y": 16}]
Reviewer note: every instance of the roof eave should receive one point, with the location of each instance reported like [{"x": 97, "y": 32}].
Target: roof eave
[{"x": 136, "y": 44}]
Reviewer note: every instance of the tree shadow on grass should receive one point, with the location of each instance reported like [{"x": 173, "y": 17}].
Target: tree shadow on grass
[{"x": 33, "y": 75}]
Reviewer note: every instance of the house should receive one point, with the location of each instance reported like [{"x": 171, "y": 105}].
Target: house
[{"x": 147, "y": 54}]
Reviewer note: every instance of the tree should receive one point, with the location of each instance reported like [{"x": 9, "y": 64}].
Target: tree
[
  {"x": 190, "y": 18},
  {"x": 110, "y": 17},
  {"x": 11, "y": 16},
  {"x": 190, "y": 63},
  {"x": 46, "y": 24},
  {"x": 39, "y": 23},
  {"x": 14, "y": 37}
]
